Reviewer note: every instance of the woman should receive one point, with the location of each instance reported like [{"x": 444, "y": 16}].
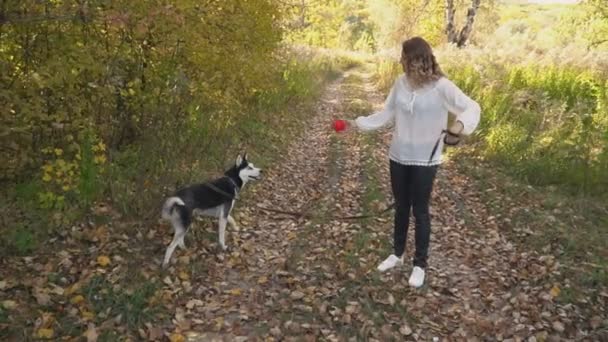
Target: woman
[{"x": 418, "y": 104}]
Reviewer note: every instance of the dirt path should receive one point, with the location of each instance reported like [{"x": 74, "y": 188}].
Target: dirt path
[{"x": 289, "y": 279}]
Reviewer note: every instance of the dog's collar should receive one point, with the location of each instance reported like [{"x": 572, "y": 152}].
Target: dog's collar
[{"x": 236, "y": 187}]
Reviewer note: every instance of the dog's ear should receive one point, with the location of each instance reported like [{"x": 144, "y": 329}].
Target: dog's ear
[
  {"x": 245, "y": 156},
  {"x": 239, "y": 160}
]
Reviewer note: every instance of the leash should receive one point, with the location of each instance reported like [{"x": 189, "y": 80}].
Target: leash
[
  {"x": 444, "y": 133},
  {"x": 299, "y": 214},
  {"x": 234, "y": 196},
  {"x": 305, "y": 215},
  {"x": 328, "y": 217}
]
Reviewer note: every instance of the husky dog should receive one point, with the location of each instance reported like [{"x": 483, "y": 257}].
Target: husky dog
[{"x": 215, "y": 198}]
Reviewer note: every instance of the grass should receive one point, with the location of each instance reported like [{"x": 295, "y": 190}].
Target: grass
[
  {"x": 21, "y": 240},
  {"x": 70, "y": 326},
  {"x": 3, "y": 315},
  {"x": 134, "y": 305}
]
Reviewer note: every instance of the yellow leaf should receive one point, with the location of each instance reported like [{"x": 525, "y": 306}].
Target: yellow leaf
[
  {"x": 262, "y": 280},
  {"x": 103, "y": 260},
  {"x": 555, "y": 291},
  {"x": 45, "y": 333},
  {"x": 91, "y": 333},
  {"x": 58, "y": 151},
  {"x": 183, "y": 275},
  {"x": 74, "y": 288},
  {"x": 235, "y": 292},
  {"x": 9, "y": 304},
  {"x": 101, "y": 159},
  {"x": 175, "y": 337},
  {"x": 77, "y": 299},
  {"x": 47, "y": 320},
  {"x": 87, "y": 315},
  {"x": 219, "y": 322},
  {"x": 47, "y": 177}
]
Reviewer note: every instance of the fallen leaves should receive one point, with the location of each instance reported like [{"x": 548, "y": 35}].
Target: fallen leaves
[
  {"x": 155, "y": 333},
  {"x": 192, "y": 303},
  {"x": 235, "y": 292},
  {"x": 9, "y": 304},
  {"x": 45, "y": 333},
  {"x": 103, "y": 260},
  {"x": 554, "y": 291},
  {"x": 558, "y": 326},
  {"x": 405, "y": 330},
  {"x": 87, "y": 315},
  {"x": 177, "y": 337},
  {"x": 42, "y": 297},
  {"x": 44, "y": 326},
  {"x": 297, "y": 295},
  {"x": 91, "y": 333},
  {"x": 77, "y": 299}
]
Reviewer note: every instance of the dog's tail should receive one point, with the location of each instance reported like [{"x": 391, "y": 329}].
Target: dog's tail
[{"x": 170, "y": 203}]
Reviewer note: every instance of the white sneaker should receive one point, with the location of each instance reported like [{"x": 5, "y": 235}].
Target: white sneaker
[
  {"x": 390, "y": 262},
  {"x": 417, "y": 277}
]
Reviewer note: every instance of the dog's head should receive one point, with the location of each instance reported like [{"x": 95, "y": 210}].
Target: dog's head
[{"x": 246, "y": 170}]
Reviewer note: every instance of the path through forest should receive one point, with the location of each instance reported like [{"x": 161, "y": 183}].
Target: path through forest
[{"x": 285, "y": 278}]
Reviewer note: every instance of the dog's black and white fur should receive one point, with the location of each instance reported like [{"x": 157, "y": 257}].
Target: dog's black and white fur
[{"x": 215, "y": 199}]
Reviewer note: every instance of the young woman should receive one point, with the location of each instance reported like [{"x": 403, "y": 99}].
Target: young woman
[{"x": 418, "y": 105}]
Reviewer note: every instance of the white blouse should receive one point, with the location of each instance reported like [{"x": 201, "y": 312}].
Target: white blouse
[{"x": 419, "y": 116}]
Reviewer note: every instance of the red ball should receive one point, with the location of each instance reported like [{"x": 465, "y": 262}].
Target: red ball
[{"x": 339, "y": 125}]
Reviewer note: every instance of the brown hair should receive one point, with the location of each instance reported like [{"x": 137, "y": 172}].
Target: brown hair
[{"x": 419, "y": 63}]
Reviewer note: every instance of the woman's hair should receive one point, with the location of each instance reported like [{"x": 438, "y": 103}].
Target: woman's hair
[{"x": 419, "y": 62}]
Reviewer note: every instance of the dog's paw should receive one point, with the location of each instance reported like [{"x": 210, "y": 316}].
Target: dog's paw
[{"x": 222, "y": 249}]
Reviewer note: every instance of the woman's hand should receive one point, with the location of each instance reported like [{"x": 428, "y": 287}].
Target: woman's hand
[
  {"x": 456, "y": 128},
  {"x": 453, "y": 136},
  {"x": 344, "y": 125},
  {"x": 351, "y": 125}
]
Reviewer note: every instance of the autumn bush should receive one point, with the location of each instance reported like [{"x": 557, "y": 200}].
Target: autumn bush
[{"x": 123, "y": 101}]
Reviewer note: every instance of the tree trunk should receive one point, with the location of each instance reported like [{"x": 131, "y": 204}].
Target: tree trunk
[
  {"x": 450, "y": 30},
  {"x": 468, "y": 27}
]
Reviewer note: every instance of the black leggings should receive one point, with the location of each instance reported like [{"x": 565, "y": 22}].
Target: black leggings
[{"x": 412, "y": 186}]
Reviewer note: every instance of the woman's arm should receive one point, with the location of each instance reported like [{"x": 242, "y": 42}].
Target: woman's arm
[
  {"x": 466, "y": 110},
  {"x": 379, "y": 119}
]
